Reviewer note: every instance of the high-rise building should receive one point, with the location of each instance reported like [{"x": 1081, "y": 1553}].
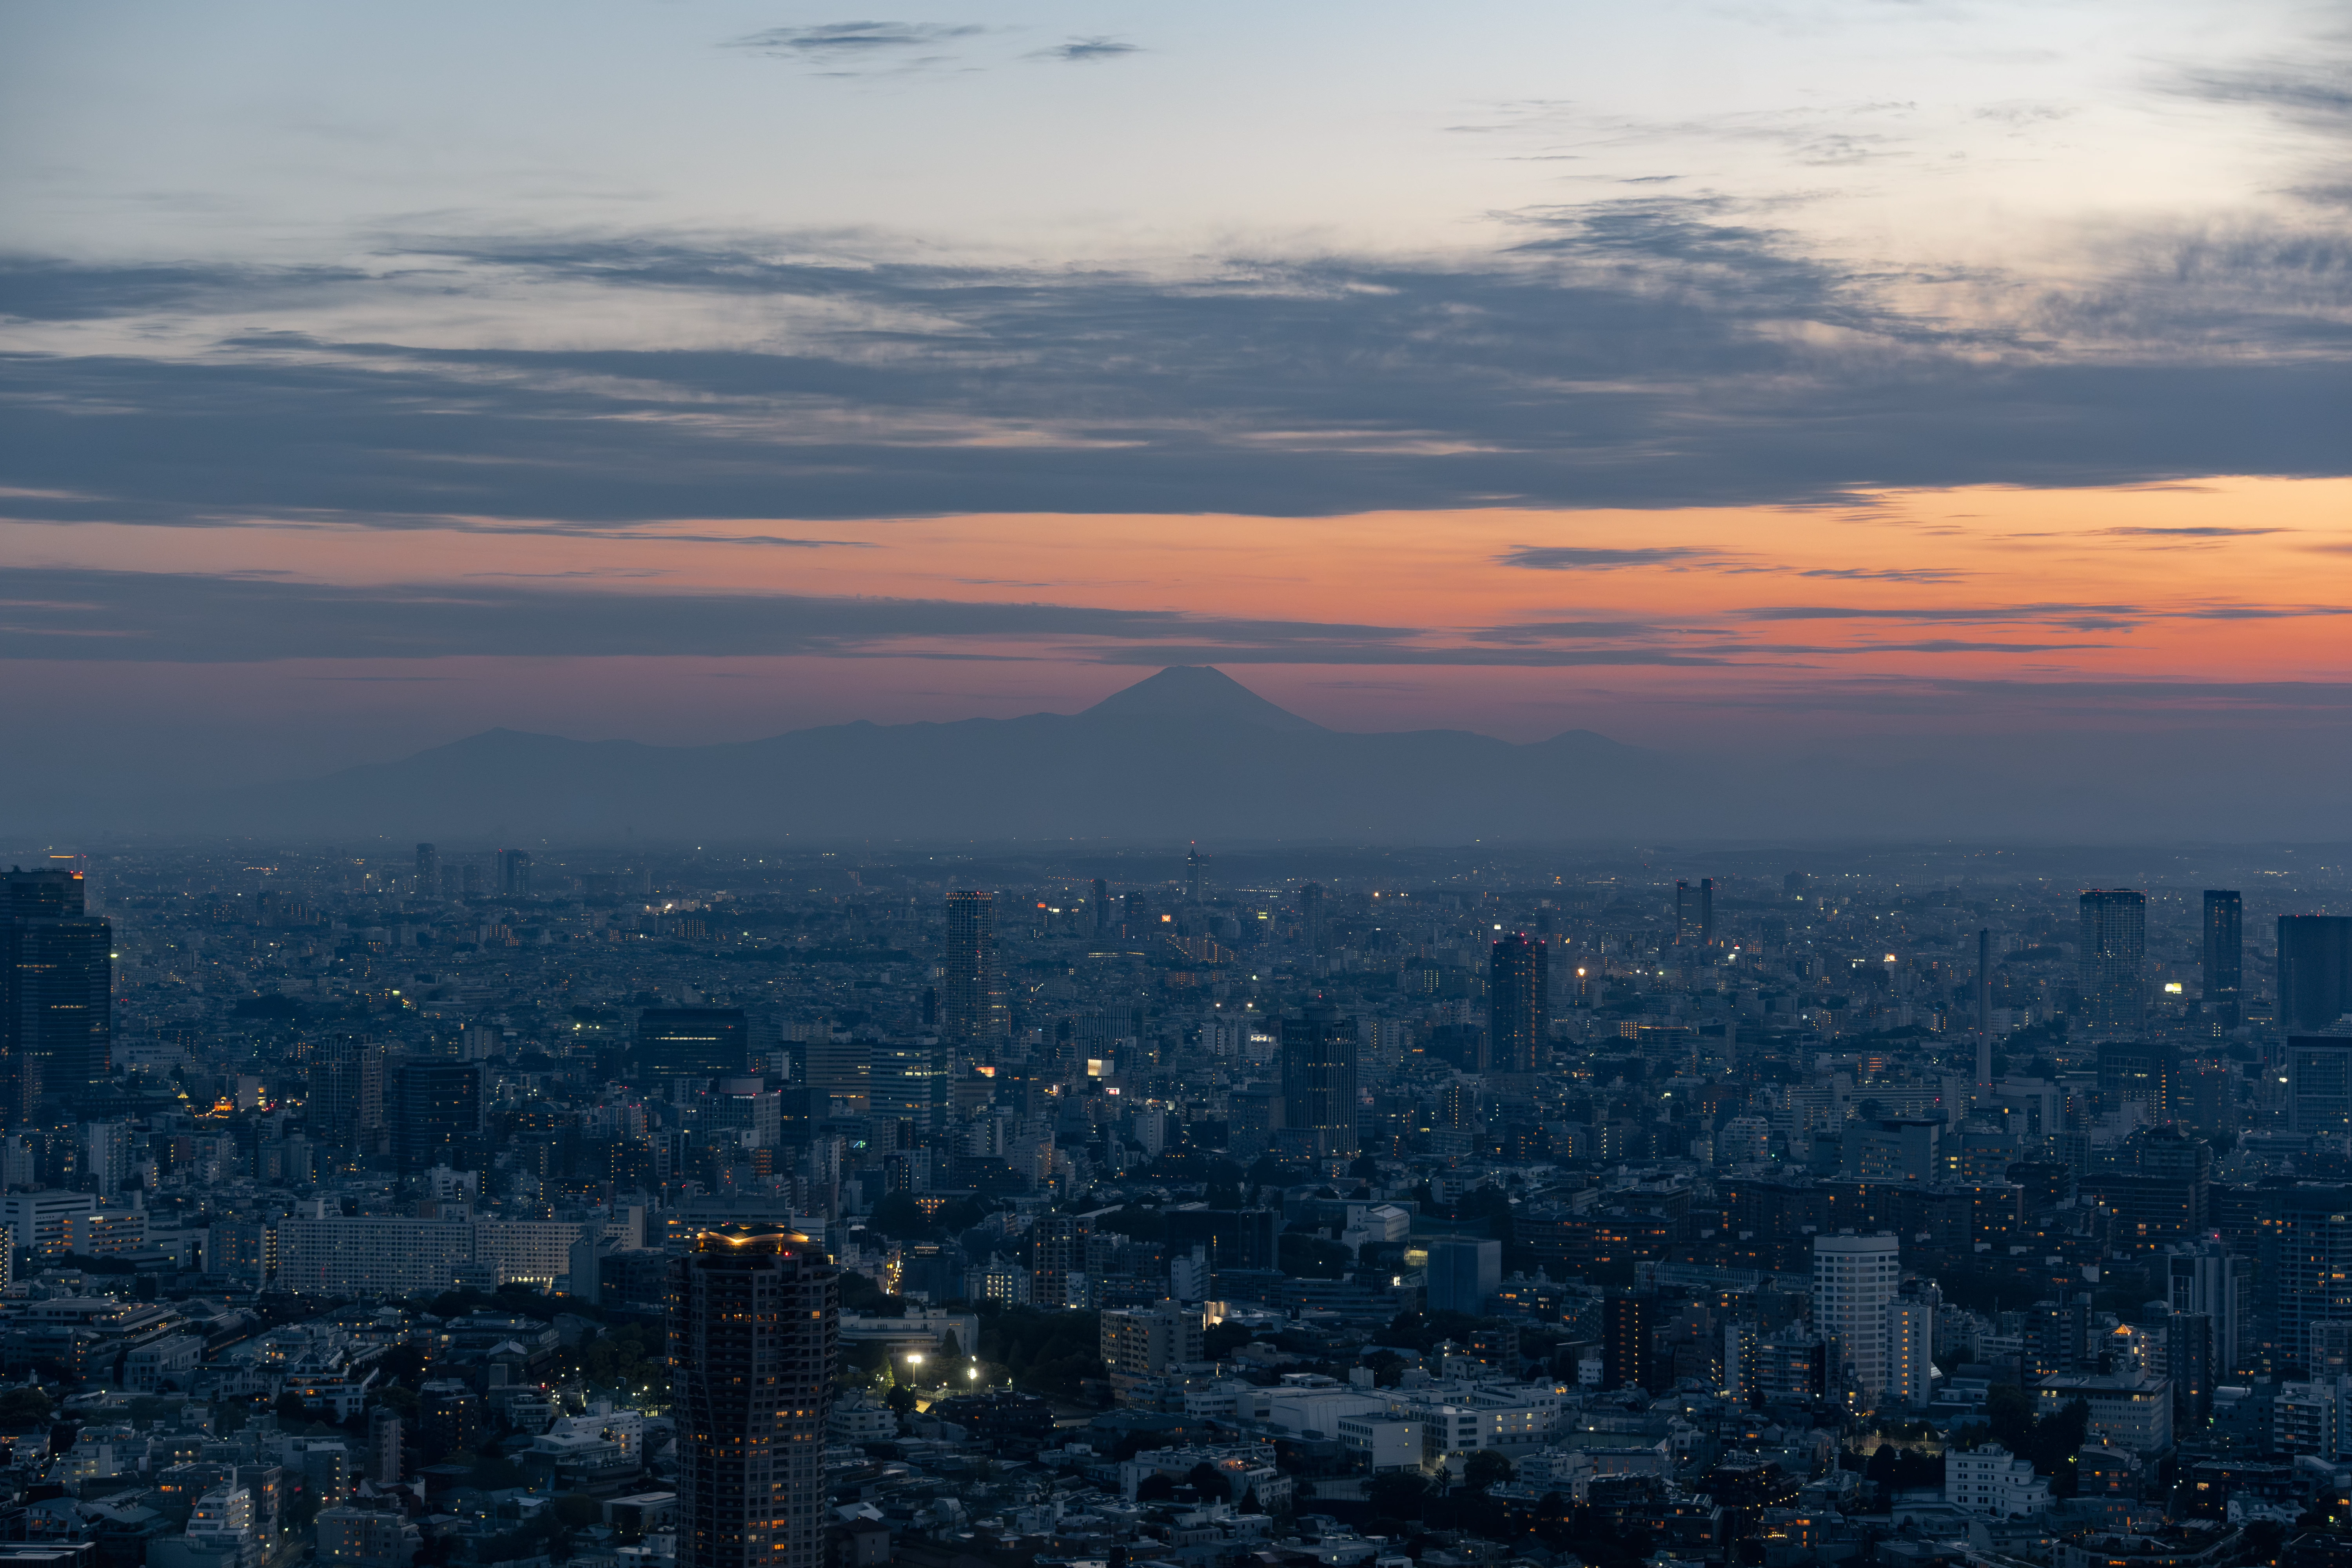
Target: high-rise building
[
  {"x": 2307, "y": 1262},
  {"x": 346, "y": 1103},
  {"x": 1686, "y": 915},
  {"x": 2207, "y": 1279},
  {"x": 1707, "y": 912},
  {"x": 2319, "y": 1083},
  {"x": 972, "y": 1002},
  {"x": 2139, "y": 1072},
  {"x": 1057, "y": 1245},
  {"x": 1310, "y": 916},
  {"x": 754, "y": 1327},
  {"x": 694, "y": 1042},
  {"x": 1982, "y": 1022},
  {"x": 56, "y": 989},
  {"x": 440, "y": 1116},
  {"x": 1854, "y": 1284},
  {"x": 2224, "y": 958},
  {"x": 1464, "y": 1271},
  {"x": 1518, "y": 1004},
  {"x": 1910, "y": 1351},
  {"x": 1101, "y": 909},
  {"x": 1196, "y": 866},
  {"x": 428, "y": 871},
  {"x": 1624, "y": 1341},
  {"x": 1319, "y": 1080},
  {"x": 2315, "y": 971},
  {"x": 907, "y": 1081},
  {"x": 2114, "y": 956},
  {"x": 514, "y": 874},
  {"x": 2189, "y": 1365}
]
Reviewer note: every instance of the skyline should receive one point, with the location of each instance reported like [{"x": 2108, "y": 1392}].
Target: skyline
[{"x": 1805, "y": 378}]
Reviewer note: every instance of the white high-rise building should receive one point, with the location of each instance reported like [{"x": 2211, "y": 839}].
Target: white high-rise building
[{"x": 1855, "y": 1280}]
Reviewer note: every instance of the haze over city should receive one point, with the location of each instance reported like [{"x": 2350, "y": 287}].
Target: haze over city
[{"x": 1130, "y": 786}]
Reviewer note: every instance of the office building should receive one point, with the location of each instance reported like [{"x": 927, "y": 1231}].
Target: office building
[
  {"x": 2319, "y": 1070},
  {"x": 2224, "y": 959},
  {"x": 839, "y": 1068},
  {"x": 972, "y": 996},
  {"x": 56, "y": 989},
  {"x": 2139, "y": 1072},
  {"x": 754, "y": 1328},
  {"x": 1318, "y": 1082},
  {"x": 514, "y": 874},
  {"x": 2114, "y": 959},
  {"x": 2315, "y": 971},
  {"x": 2205, "y": 1278},
  {"x": 1854, "y": 1283},
  {"x": 1231, "y": 1238},
  {"x": 1894, "y": 1149},
  {"x": 1518, "y": 1007},
  {"x": 1101, "y": 909},
  {"x": 2127, "y": 1411},
  {"x": 1310, "y": 916},
  {"x": 1464, "y": 1271},
  {"x": 2189, "y": 1365},
  {"x": 438, "y": 1118},
  {"x": 346, "y": 1096},
  {"x": 1687, "y": 915},
  {"x": 1196, "y": 866},
  {"x": 428, "y": 871},
  {"x": 1982, "y": 1021},
  {"x": 693, "y": 1042},
  {"x": 907, "y": 1081},
  {"x": 2306, "y": 1263}
]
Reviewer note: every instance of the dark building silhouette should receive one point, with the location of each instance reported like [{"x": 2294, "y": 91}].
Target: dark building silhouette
[
  {"x": 1686, "y": 915},
  {"x": 754, "y": 1327},
  {"x": 1236, "y": 1238},
  {"x": 1318, "y": 1082},
  {"x": 1707, "y": 912},
  {"x": 693, "y": 1042},
  {"x": 1196, "y": 866},
  {"x": 1058, "y": 1250},
  {"x": 1102, "y": 908},
  {"x": 56, "y": 989},
  {"x": 2145, "y": 1071},
  {"x": 345, "y": 1101},
  {"x": 2114, "y": 959},
  {"x": 2224, "y": 958},
  {"x": 2315, "y": 971},
  {"x": 514, "y": 874},
  {"x": 438, "y": 1118},
  {"x": 1310, "y": 916},
  {"x": 1982, "y": 1023},
  {"x": 1519, "y": 1003},
  {"x": 1624, "y": 1341},
  {"x": 428, "y": 871},
  {"x": 973, "y": 1005}
]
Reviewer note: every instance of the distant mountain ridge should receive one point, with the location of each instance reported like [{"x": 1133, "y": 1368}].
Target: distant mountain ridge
[{"x": 1187, "y": 753}]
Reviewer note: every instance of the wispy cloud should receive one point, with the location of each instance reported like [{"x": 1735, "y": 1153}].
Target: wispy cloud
[
  {"x": 1599, "y": 558},
  {"x": 861, "y": 48},
  {"x": 1082, "y": 51}
]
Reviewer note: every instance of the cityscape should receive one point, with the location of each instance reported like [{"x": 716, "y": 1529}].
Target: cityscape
[
  {"x": 442, "y": 1203},
  {"x": 1080, "y": 784}
]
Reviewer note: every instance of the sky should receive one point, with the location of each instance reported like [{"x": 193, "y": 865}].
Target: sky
[{"x": 1880, "y": 378}]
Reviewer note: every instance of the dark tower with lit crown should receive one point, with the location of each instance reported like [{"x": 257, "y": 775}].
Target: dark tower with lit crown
[
  {"x": 56, "y": 989},
  {"x": 754, "y": 1325}
]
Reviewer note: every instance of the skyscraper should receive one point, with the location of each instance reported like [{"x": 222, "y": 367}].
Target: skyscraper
[
  {"x": 1196, "y": 866},
  {"x": 2315, "y": 971},
  {"x": 345, "y": 1101},
  {"x": 1310, "y": 916},
  {"x": 514, "y": 874},
  {"x": 1686, "y": 915},
  {"x": 428, "y": 871},
  {"x": 754, "y": 1327},
  {"x": 57, "y": 988},
  {"x": 440, "y": 1116},
  {"x": 1518, "y": 1010},
  {"x": 2114, "y": 959},
  {"x": 1319, "y": 1080},
  {"x": 972, "y": 996},
  {"x": 1707, "y": 912},
  {"x": 2223, "y": 969},
  {"x": 2206, "y": 1278},
  {"x": 2319, "y": 1084},
  {"x": 2141, "y": 1072},
  {"x": 2307, "y": 1262},
  {"x": 1982, "y": 1023},
  {"x": 1854, "y": 1281},
  {"x": 1102, "y": 909}
]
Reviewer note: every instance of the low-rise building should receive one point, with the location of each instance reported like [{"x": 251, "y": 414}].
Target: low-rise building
[{"x": 1993, "y": 1480}]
